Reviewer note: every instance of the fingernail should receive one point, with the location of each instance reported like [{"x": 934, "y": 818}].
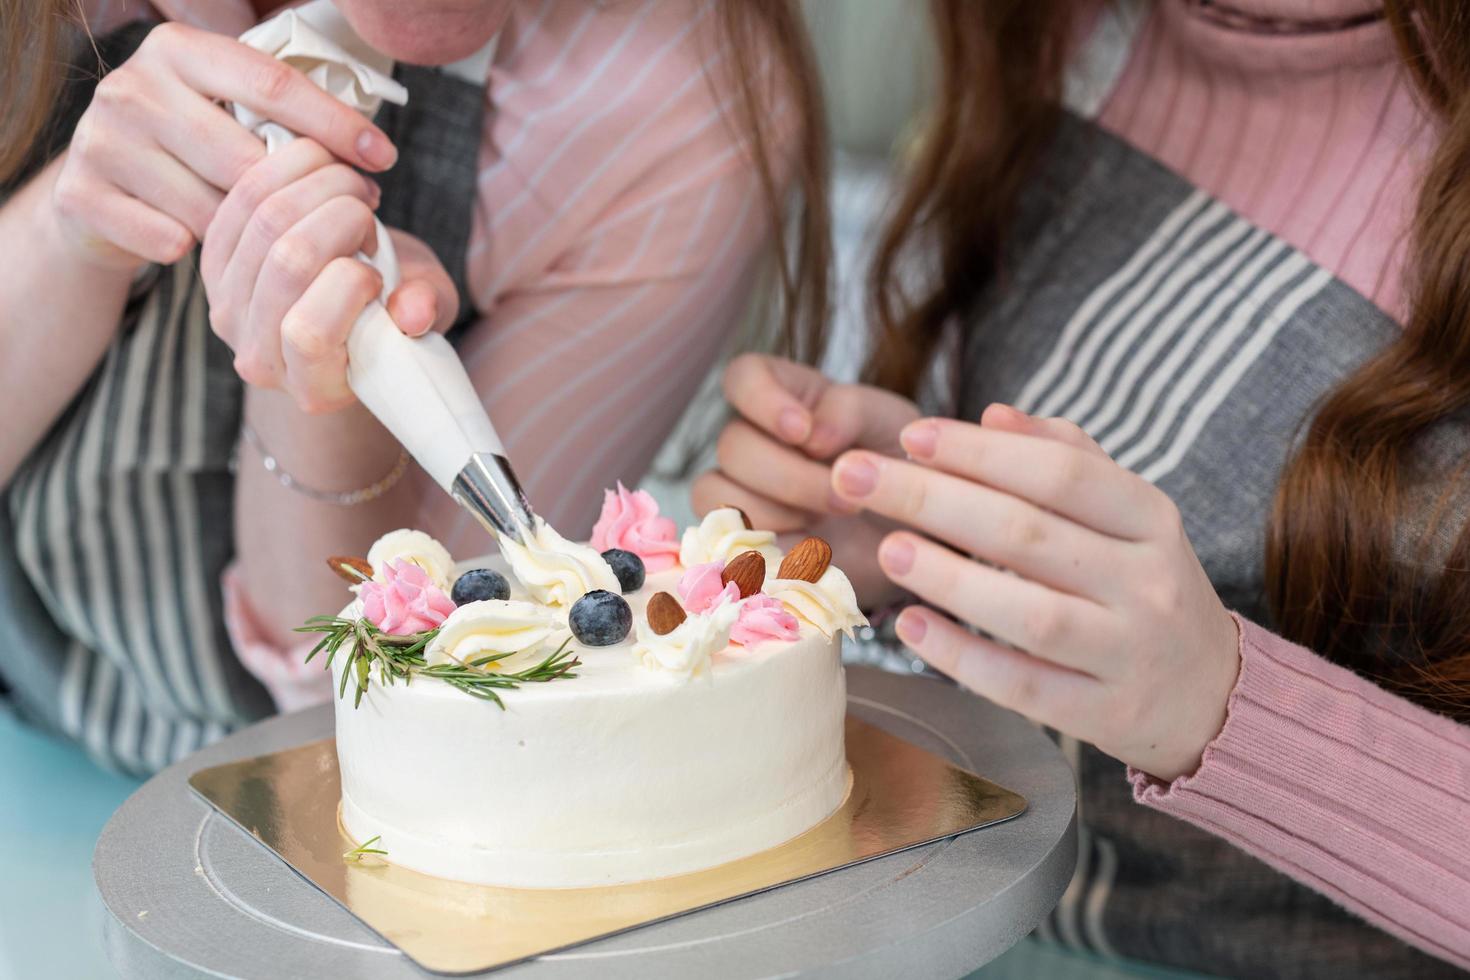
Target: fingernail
[
  {"x": 377, "y": 152},
  {"x": 911, "y": 626},
  {"x": 825, "y": 437},
  {"x": 793, "y": 425},
  {"x": 920, "y": 439},
  {"x": 896, "y": 555},
  {"x": 856, "y": 476}
]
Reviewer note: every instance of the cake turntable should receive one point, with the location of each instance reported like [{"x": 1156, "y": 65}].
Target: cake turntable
[{"x": 191, "y": 894}]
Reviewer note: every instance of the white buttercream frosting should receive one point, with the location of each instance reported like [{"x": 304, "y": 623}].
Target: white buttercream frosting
[
  {"x": 689, "y": 647},
  {"x": 619, "y": 775},
  {"x": 557, "y": 571},
  {"x": 416, "y": 547},
  {"x": 494, "y": 626},
  {"x": 829, "y": 604},
  {"x": 721, "y": 536}
]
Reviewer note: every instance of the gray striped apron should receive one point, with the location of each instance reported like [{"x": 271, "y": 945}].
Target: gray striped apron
[
  {"x": 115, "y": 530},
  {"x": 1193, "y": 346}
]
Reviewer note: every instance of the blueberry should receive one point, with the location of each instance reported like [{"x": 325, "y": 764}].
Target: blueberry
[
  {"x": 478, "y": 584},
  {"x": 627, "y": 566},
  {"x": 600, "y": 619}
]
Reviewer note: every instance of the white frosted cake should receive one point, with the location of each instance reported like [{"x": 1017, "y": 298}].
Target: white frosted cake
[{"x": 590, "y": 720}]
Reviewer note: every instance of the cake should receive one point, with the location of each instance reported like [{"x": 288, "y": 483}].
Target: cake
[{"x": 577, "y": 715}]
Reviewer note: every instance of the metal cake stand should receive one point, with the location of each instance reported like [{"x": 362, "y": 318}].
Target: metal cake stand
[{"x": 191, "y": 895}]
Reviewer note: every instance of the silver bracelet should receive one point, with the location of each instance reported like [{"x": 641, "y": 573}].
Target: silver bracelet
[{"x": 349, "y": 498}]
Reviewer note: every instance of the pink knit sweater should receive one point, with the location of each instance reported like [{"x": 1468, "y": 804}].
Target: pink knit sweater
[{"x": 1312, "y": 131}]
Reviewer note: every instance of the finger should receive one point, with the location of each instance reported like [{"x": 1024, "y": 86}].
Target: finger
[
  {"x": 276, "y": 216},
  {"x": 314, "y": 333},
  {"x": 220, "y": 67},
  {"x": 125, "y": 226},
  {"x": 427, "y": 299},
  {"x": 774, "y": 394},
  {"x": 846, "y": 416},
  {"x": 165, "y": 184},
  {"x": 989, "y": 524},
  {"x": 1044, "y": 692},
  {"x": 1058, "y": 627},
  {"x": 998, "y": 416},
  {"x": 1084, "y": 486},
  {"x": 272, "y": 173},
  {"x": 207, "y": 139},
  {"x": 334, "y": 230},
  {"x": 712, "y": 490},
  {"x": 755, "y": 460}
]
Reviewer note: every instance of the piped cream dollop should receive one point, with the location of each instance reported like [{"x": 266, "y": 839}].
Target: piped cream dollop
[
  {"x": 687, "y": 650},
  {"x": 417, "y": 548},
  {"x": 829, "y": 604},
  {"x": 517, "y": 630},
  {"x": 721, "y": 536},
  {"x": 556, "y": 571}
]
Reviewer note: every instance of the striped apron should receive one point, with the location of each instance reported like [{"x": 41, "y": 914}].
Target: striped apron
[
  {"x": 1192, "y": 345},
  {"x": 115, "y": 530}
]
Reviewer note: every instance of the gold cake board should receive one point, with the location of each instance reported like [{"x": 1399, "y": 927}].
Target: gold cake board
[{"x": 902, "y": 796}]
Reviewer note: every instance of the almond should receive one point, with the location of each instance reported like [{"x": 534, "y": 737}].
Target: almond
[
  {"x": 747, "y": 571},
  {"x": 807, "y": 561},
  {"x": 664, "y": 613},
  {"x": 744, "y": 517},
  {"x": 352, "y": 570}
]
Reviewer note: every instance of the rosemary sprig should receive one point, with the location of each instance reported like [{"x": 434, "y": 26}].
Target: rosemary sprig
[
  {"x": 364, "y": 849},
  {"x": 402, "y": 658}
]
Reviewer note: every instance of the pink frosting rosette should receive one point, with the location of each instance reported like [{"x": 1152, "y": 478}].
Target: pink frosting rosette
[
  {"x": 630, "y": 521},
  {"x": 405, "y": 602},
  {"x": 701, "y": 590},
  {"x": 763, "y": 618}
]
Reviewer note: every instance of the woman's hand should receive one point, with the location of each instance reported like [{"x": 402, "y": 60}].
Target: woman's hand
[
  {"x": 154, "y": 154},
  {"x": 1108, "y": 630},
  {"x": 774, "y": 460},
  {"x": 285, "y": 286}
]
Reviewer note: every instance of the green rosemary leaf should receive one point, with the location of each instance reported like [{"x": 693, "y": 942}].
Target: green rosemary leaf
[{"x": 365, "y": 848}]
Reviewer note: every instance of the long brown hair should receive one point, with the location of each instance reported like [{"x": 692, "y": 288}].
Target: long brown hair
[
  {"x": 1334, "y": 579},
  {"x": 37, "y": 37},
  {"x": 34, "y": 37}
]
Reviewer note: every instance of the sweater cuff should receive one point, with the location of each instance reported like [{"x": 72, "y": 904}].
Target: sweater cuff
[{"x": 1344, "y": 786}]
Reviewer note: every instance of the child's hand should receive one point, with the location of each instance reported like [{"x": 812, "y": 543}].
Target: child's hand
[
  {"x": 1108, "y": 629},
  {"x": 285, "y": 286},
  {"x": 774, "y": 459},
  {"x": 154, "y": 153}
]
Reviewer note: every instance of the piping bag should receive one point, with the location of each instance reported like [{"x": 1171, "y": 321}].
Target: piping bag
[{"x": 417, "y": 387}]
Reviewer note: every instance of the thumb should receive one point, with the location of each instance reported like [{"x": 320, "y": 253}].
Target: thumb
[
  {"x": 425, "y": 298},
  {"x": 858, "y": 416},
  {"x": 774, "y": 394}
]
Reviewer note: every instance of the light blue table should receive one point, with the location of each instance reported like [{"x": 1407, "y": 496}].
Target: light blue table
[{"x": 53, "y": 803}]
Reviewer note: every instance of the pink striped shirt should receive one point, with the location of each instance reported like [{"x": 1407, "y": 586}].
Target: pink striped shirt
[{"x": 617, "y": 229}]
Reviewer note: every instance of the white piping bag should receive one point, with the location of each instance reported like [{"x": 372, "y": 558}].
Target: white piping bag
[{"x": 417, "y": 387}]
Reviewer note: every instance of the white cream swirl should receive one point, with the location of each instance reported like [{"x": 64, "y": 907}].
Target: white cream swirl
[
  {"x": 556, "y": 571},
  {"x": 686, "y": 650},
  {"x": 721, "y": 536},
  {"x": 416, "y": 547},
  {"x": 829, "y": 604},
  {"x": 492, "y": 627}
]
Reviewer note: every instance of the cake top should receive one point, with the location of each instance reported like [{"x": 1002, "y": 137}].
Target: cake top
[{"x": 723, "y": 588}]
